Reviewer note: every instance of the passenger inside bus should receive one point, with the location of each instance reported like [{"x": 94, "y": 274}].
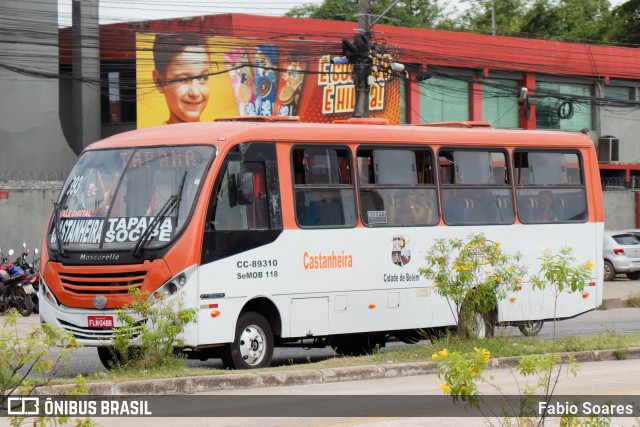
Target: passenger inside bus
[
  {"x": 547, "y": 210},
  {"x": 409, "y": 210}
]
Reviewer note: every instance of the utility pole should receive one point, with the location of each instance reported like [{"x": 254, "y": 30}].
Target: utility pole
[
  {"x": 493, "y": 17},
  {"x": 359, "y": 56},
  {"x": 362, "y": 64}
]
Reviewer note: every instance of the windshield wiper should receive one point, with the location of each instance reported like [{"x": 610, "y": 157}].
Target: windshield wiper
[
  {"x": 56, "y": 229},
  {"x": 172, "y": 203}
]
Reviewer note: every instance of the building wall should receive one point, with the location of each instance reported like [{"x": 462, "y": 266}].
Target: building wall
[
  {"x": 32, "y": 141},
  {"x": 25, "y": 213},
  {"x": 623, "y": 124},
  {"x": 619, "y": 209}
]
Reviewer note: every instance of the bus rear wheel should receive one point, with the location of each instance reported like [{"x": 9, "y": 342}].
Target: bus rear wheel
[
  {"x": 253, "y": 343},
  {"x": 482, "y": 325}
]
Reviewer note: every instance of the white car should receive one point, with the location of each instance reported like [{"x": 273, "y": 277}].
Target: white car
[{"x": 621, "y": 255}]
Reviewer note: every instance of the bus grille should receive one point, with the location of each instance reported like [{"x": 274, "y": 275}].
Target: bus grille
[{"x": 100, "y": 283}]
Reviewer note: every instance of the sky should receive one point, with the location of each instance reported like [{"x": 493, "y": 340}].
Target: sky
[{"x": 138, "y": 10}]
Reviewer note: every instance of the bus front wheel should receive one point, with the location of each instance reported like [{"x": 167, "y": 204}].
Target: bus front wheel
[{"x": 253, "y": 344}]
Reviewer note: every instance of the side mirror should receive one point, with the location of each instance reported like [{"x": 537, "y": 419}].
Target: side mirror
[
  {"x": 245, "y": 188},
  {"x": 11, "y": 252}
]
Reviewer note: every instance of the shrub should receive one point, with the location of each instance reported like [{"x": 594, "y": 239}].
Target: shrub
[
  {"x": 150, "y": 331},
  {"x": 27, "y": 363},
  {"x": 472, "y": 275},
  {"x": 460, "y": 372}
]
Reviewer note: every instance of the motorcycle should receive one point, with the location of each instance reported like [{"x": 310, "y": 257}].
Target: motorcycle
[
  {"x": 31, "y": 274},
  {"x": 14, "y": 293}
]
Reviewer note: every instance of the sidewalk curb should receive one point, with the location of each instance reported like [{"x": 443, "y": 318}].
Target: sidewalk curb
[{"x": 199, "y": 384}]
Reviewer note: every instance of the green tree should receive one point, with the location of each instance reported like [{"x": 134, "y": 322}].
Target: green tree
[
  {"x": 625, "y": 24},
  {"x": 509, "y": 16},
  {"x": 406, "y": 13},
  {"x": 568, "y": 20}
]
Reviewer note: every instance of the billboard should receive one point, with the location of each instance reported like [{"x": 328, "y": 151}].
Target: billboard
[{"x": 190, "y": 77}]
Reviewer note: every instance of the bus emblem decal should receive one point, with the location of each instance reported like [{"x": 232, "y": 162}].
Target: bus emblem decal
[{"x": 400, "y": 253}]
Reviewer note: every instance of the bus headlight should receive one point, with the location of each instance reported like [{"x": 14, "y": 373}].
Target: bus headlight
[{"x": 175, "y": 284}]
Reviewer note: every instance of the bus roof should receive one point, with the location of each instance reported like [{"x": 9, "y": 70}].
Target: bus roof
[{"x": 231, "y": 132}]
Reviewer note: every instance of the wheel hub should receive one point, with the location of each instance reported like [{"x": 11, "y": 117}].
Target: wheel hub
[{"x": 252, "y": 345}]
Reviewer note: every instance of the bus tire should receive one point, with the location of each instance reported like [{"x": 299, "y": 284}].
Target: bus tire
[
  {"x": 253, "y": 343},
  {"x": 482, "y": 325},
  {"x": 531, "y": 328}
]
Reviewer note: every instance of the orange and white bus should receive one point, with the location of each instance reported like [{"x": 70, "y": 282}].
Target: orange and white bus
[{"x": 284, "y": 233}]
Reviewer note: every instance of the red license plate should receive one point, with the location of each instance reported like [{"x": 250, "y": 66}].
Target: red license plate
[{"x": 100, "y": 322}]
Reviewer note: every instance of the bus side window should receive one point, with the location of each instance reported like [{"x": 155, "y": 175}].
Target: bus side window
[
  {"x": 475, "y": 187},
  {"x": 554, "y": 190},
  {"x": 323, "y": 187},
  {"x": 397, "y": 186}
]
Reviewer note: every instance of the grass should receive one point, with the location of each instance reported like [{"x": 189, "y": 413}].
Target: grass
[
  {"x": 500, "y": 346},
  {"x": 633, "y": 300}
]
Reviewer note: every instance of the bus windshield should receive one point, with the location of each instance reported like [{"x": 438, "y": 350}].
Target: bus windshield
[{"x": 112, "y": 196}]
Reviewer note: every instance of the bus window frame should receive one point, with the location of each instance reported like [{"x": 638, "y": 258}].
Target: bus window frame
[
  {"x": 434, "y": 186},
  {"x": 295, "y": 188},
  {"x": 551, "y": 187},
  {"x": 508, "y": 175}
]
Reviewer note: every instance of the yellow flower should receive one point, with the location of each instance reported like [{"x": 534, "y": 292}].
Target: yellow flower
[
  {"x": 434, "y": 356},
  {"x": 512, "y": 299},
  {"x": 445, "y": 388},
  {"x": 509, "y": 270},
  {"x": 589, "y": 265},
  {"x": 486, "y": 354},
  {"x": 444, "y": 352}
]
